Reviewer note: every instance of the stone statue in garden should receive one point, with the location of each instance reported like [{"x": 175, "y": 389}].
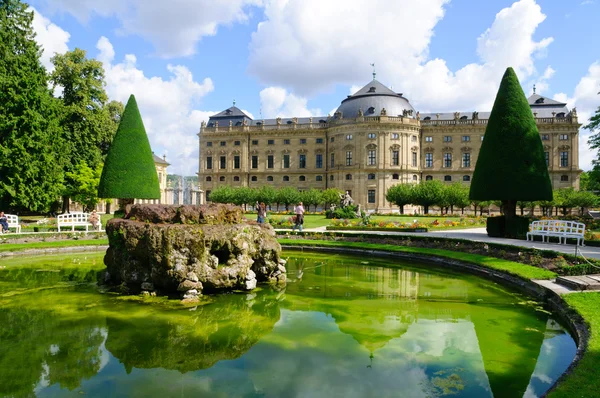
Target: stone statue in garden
[{"x": 345, "y": 199}]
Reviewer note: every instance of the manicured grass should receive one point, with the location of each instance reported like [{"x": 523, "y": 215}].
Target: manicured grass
[
  {"x": 310, "y": 220},
  {"x": 585, "y": 379},
  {"x": 13, "y": 247},
  {"x": 411, "y": 219},
  {"x": 521, "y": 270}
]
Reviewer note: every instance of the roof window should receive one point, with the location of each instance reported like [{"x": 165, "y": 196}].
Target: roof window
[
  {"x": 427, "y": 118},
  {"x": 539, "y": 100},
  {"x": 371, "y": 110},
  {"x": 371, "y": 89}
]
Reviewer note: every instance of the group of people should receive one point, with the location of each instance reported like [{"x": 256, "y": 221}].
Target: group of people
[{"x": 261, "y": 211}]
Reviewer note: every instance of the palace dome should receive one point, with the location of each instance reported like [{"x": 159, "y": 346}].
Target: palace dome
[{"x": 372, "y": 98}]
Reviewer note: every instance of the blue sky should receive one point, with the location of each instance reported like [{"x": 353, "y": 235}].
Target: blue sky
[{"x": 186, "y": 59}]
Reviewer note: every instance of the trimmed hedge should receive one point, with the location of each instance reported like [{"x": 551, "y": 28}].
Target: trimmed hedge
[
  {"x": 129, "y": 171},
  {"x": 511, "y": 164}
]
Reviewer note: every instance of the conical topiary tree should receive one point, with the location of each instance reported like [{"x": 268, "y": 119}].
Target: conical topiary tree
[
  {"x": 511, "y": 164},
  {"x": 129, "y": 171}
]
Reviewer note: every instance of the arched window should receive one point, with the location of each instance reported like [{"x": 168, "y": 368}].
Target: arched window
[
  {"x": 269, "y": 178},
  {"x": 236, "y": 178},
  {"x": 447, "y": 178},
  {"x": 466, "y": 178},
  {"x": 209, "y": 178},
  {"x": 348, "y": 176},
  {"x": 428, "y": 178},
  {"x": 302, "y": 178},
  {"x": 331, "y": 177},
  {"x": 371, "y": 176},
  {"x": 254, "y": 178},
  {"x": 286, "y": 178},
  {"x": 415, "y": 178},
  {"x": 395, "y": 176},
  {"x": 564, "y": 177},
  {"x": 222, "y": 178},
  {"x": 320, "y": 178}
]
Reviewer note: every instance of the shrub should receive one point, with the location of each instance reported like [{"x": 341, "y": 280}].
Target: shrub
[{"x": 342, "y": 212}]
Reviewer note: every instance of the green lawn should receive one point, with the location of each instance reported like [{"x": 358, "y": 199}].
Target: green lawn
[{"x": 12, "y": 247}]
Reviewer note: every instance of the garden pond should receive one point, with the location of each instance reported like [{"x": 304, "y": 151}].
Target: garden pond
[{"x": 344, "y": 326}]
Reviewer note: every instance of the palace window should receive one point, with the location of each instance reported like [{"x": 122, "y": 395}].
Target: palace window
[
  {"x": 547, "y": 158},
  {"x": 395, "y": 136},
  {"x": 302, "y": 162},
  {"x": 466, "y": 160},
  {"x": 209, "y": 162},
  {"x": 371, "y": 176},
  {"x": 447, "y": 138},
  {"x": 564, "y": 159},
  {"x": 481, "y": 138},
  {"x": 428, "y": 178},
  {"x": 331, "y": 177},
  {"x": 372, "y": 135},
  {"x": 563, "y": 137},
  {"x": 428, "y": 159},
  {"x": 348, "y": 158},
  {"x": 319, "y": 161},
  {"x": 223, "y": 143},
  {"x": 286, "y": 142},
  {"x": 349, "y": 136},
  {"x": 237, "y": 143},
  {"x": 286, "y": 178},
  {"x": 415, "y": 178},
  {"x": 371, "y": 158},
  {"x": 447, "y": 178},
  {"x": 254, "y": 178},
  {"x": 319, "y": 178},
  {"x": 466, "y": 138},
  {"x": 270, "y": 142},
  {"x": 255, "y": 161},
  {"x": 545, "y": 137},
  {"x": 428, "y": 138},
  {"x": 209, "y": 179},
  {"x": 332, "y": 160},
  {"x": 207, "y": 194},
  {"x": 466, "y": 178},
  {"x": 413, "y": 138},
  {"x": 348, "y": 176},
  {"x": 447, "y": 159},
  {"x": 564, "y": 177},
  {"x": 270, "y": 161},
  {"x": 236, "y": 179},
  {"x": 371, "y": 196},
  {"x": 209, "y": 143},
  {"x": 302, "y": 141},
  {"x": 236, "y": 162},
  {"x": 332, "y": 139},
  {"x": 286, "y": 161},
  {"x": 254, "y": 142},
  {"x": 223, "y": 162},
  {"x": 319, "y": 140},
  {"x": 222, "y": 178},
  {"x": 395, "y": 158},
  {"x": 302, "y": 178},
  {"x": 395, "y": 176},
  {"x": 414, "y": 159},
  {"x": 270, "y": 178}
]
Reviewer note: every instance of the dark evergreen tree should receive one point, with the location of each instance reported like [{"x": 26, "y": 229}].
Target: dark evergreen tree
[
  {"x": 30, "y": 151},
  {"x": 129, "y": 172},
  {"x": 511, "y": 164}
]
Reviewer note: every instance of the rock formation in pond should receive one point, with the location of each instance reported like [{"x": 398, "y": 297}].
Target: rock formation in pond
[{"x": 190, "y": 249}]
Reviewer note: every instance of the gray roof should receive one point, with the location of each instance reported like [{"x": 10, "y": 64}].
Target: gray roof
[
  {"x": 233, "y": 111},
  {"x": 371, "y": 99},
  {"x": 159, "y": 160},
  {"x": 538, "y": 100}
]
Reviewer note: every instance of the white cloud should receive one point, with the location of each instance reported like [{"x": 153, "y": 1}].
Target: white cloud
[
  {"x": 307, "y": 51},
  {"x": 173, "y": 27},
  {"x": 278, "y": 102},
  {"x": 50, "y": 37},
  {"x": 586, "y": 99},
  {"x": 541, "y": 84},
  {"x": 587, "y": 2},
  {"x": 166, "y": 105}
]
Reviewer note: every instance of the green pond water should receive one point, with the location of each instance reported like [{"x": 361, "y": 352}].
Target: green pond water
[{"x": 345, "y": 326}]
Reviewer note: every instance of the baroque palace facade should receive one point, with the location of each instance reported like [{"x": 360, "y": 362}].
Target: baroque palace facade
[{"x": 374, "y": 140}]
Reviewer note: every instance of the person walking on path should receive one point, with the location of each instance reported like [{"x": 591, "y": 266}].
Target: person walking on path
[
  {"x": 262, "y": 213},
  {"x": 299, "y": 221}
]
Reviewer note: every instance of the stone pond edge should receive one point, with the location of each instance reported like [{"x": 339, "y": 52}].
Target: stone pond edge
[{"x": 569, "y": 317}]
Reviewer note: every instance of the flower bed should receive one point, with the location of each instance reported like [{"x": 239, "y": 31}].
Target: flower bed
[{"x": 390, "y": 225}]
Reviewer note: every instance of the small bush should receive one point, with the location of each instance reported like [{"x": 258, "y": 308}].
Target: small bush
[
  {"x": 348, "y": 212},
  {"x": 496, "y": 226}
]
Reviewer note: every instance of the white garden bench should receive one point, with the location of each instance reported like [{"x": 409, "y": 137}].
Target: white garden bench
[
  {"x": 76, "y": 220},
  {"x": 557, "y": 228},
  {"x": 13, "y": 222}
]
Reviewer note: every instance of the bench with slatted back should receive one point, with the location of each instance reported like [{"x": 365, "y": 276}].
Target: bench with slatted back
[
  {"x": 558, "y": 229},
  {"x": 13, "y": 222},
  {"x": 76, "y": 220}
]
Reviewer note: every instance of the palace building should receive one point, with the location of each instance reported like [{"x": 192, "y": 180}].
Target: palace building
[{"x": 375, "y": 140}]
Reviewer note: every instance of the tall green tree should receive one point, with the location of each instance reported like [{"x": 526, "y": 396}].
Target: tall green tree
[
  {"x": 511, "y": 164},
  {"x": 129, "y": 172},
  {"x": 401, "y": 195},
  {"x": 88, "y": 122},
  {"x": 428, "y": 193},
  {"x": 85, "y": 181},
  {"x": 30, "y": 152},
  {"x": 593, "y": 180}
]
